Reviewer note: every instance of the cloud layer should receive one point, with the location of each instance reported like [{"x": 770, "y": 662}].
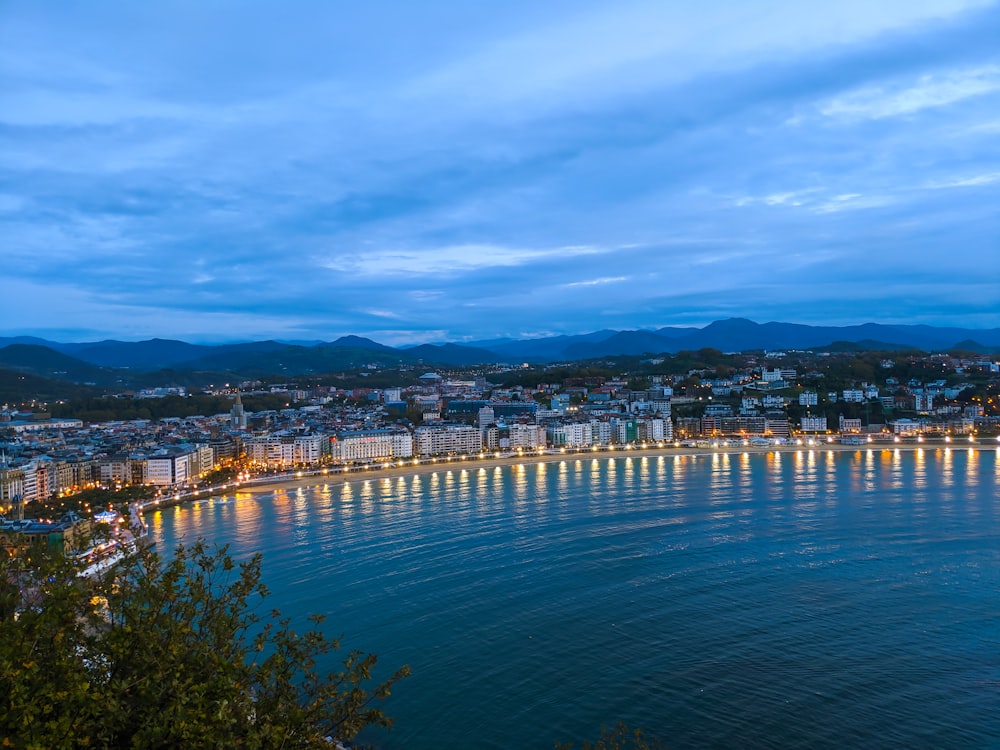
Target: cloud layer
[{"x": 427, "y": 171}]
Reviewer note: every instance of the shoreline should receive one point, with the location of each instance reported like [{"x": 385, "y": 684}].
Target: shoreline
[{"x": 413, "y": 467}]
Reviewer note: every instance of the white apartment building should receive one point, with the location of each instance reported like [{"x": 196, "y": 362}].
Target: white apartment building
[
  {"x": 433, "y": 440},
  {"x": 850, "y": 425},
  {"x": 808, "y": 398},
  {"x": 370, "y": 445},
  {"x": 286, "y": 451},
  {"x": 308, "y": 449},
  {"x": 853, "y": 395},
  {"x": 11, "y": 485},
  {"x": 527, "y": 436},
  {"x": 576, "y": 435},
  {"x": 659, "y": 429},
  {"x": 814, "y": 424},
  {"x": 601, "y": 432},
  {"x": 661, "y": 405},
  {"x": 168, "y": 469}
]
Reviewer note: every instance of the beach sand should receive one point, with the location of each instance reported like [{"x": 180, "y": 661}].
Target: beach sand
[{"x": 429, "y": 466}]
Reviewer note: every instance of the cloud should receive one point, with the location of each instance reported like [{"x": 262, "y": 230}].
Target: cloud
[
  {"x": 597, "y": 282},
  {"x": 929, "y": 92},
  {"x": 281, "y": 179},
  {"x": 450, "y": 260},
  {"x": 971, "y": 181}
]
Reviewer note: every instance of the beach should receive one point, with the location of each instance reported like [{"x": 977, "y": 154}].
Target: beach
[{"x": 425, "y": 466}]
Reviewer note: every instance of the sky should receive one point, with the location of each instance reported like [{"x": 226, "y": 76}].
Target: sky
[{"x": 457, "y": 171}]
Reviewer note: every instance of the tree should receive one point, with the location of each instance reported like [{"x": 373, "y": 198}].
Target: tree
[{"x": 169, "y": 654}]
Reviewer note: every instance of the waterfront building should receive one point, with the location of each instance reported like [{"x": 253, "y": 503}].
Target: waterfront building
[
  {"x": 527, "y": 436},
  {"x": 850, "y": 425},
  {"x": 370, "y": 445},
  {"x": 572, "y": 435},
  {"x": 777, "y": 424},
  {"x": 434, "y": 440},
  {"x": 813, "y": 424},
  {"x": 283, "y": 450},
  {"x": 491, "y": 437}
]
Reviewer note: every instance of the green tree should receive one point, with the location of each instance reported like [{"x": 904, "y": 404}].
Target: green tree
[{"x": 169, "y": 654}]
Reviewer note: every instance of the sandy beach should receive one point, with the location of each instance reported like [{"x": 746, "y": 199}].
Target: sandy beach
[{"x": 412, "y": 467}]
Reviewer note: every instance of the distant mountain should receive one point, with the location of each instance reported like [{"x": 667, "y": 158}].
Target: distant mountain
[
  {"x": 968, "y": 345},
  {"x": 154, "y": 354},
  {"x": 359, "y": 342},
  {"x": 451, "y": 354},
  {"x": 164, "y": 360},
  {"x": 546, "y": 349},
  {"x": 17, "y": 386},
  {"x": 233, "y": 357},
  {"x": 861, "y": 346},
  {"x": 623, "y": 342},
  {"x": 740, "y": 334},
  {"x": 297, "y": 360},
  {"x": 48, "y": 363},
  {"x": 33, "y": 340}
]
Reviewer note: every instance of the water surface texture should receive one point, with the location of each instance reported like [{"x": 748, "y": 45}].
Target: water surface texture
[{"x": 783, "y": 600}]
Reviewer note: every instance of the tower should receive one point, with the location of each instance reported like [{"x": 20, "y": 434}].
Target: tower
[{"x": 237, "y": 416}]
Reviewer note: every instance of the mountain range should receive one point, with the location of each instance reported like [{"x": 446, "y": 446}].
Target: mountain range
[{"x": 108, "y": 362}]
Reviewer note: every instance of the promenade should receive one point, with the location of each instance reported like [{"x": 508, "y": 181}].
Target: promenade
[{"x": 424, "y": 466}]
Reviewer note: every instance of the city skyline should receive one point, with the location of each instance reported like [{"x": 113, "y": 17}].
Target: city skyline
[{"x": 442, "y": 172}]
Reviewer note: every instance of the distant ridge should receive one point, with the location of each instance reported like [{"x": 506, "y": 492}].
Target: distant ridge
[
  {"x": 359, "y": 342},
  {"x": 112, "y": 361}
]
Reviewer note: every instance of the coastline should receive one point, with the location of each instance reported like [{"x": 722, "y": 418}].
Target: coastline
[{"x": 413, "y": 467}]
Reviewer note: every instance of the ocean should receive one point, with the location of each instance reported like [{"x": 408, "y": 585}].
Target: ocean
[{"x": 809, "y": 599}]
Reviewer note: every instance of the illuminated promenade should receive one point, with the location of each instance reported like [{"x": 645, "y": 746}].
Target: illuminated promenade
[{"x": 422, "y": 466}]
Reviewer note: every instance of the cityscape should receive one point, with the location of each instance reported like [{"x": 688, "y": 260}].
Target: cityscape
[
  {"x": 757, "y": 399},
  {"x": 543, "y": 375}
]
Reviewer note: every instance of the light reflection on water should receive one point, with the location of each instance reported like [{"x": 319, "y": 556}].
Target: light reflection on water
[{"x": 807, "y": 599}]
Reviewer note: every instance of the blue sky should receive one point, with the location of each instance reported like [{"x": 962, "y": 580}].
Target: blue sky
[{"x": 451, "y": 171}]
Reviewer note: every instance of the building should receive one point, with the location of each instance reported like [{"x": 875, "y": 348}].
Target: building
[
  {"x": 808, "y": 398},
  {"x": 11, "y": 486},
  {"x": 237, "y": 416},
  {"x": 814, "y": 424},
  {"x": 370, "y": 445},
  {"x": 447, "y": 439},
  {"x": 573, "y": 435},
  {"x": 170, "y": 468},
  {"x": 283, "y": 451},
  {"x": 850, "y": 425},
  {"x": 527, "y": 436}
]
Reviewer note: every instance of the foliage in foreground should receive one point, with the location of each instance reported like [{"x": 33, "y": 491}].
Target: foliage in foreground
[
  {"x": 620, "y": 737},
  {"x": 168, "y": 654}
]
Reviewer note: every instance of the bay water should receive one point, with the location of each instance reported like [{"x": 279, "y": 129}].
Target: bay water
[{"x": 808, "y": 599}]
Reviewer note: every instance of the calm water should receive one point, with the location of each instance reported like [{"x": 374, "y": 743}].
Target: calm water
[{"x": 805, "y": 600}]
